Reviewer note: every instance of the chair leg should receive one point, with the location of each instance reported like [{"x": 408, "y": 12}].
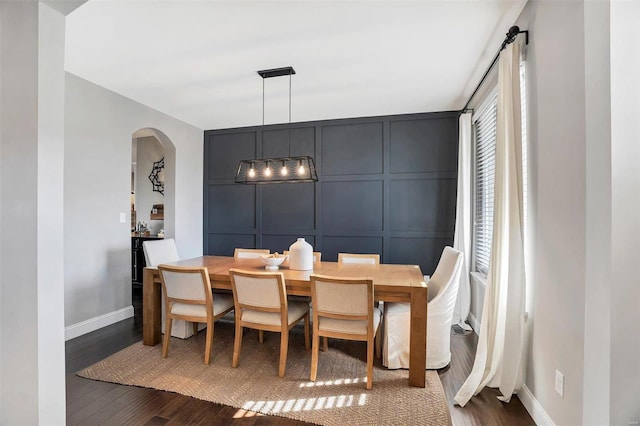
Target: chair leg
[
  {"x": 261, "y": 336},
  {"x": 325, "y": 343},
  {"x": 237, "y": 344},
  {"x": 314, "y": 355},
  {"x": 284, "y": 348},
  {"x": 307, "y": 346},
  {"x": 195, "y": 328},
  {"x": 209, "y": 337},
  {"x": 369, "y": 364},
  {"x": 167, "y": 336}
]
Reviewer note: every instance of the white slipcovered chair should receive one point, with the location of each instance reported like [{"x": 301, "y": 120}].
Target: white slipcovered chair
[
  {"x": 188, "y": 297},
  {"x": 160, "y": 251},
  {"x": 443, "y": 289},
  {"x": 165, "y": 251}
]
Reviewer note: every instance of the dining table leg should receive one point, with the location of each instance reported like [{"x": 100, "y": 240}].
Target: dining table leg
[
  {"x": 151, "y": 309},
  {"x": 418, "y": 337}
]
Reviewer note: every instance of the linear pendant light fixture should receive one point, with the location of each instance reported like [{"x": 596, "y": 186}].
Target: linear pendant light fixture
[{"x": 281, "y": 169}]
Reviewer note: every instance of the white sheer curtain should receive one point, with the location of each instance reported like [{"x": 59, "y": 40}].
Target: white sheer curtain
[
  {"x": 499, "y": 355},
  {"x": 462, "y": 235}
]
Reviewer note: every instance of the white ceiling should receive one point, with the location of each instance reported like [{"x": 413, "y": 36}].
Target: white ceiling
[{"x": 197, "y": 60}]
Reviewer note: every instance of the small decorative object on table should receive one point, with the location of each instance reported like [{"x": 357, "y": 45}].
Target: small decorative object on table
[
  {"x": 157, "y": 212},
  {"x": 301, "y": 256},
  {"x": 273, "y": 261}
]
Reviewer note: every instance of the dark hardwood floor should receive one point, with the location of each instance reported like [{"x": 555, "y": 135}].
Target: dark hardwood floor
[{"x": 91, "y": 402}]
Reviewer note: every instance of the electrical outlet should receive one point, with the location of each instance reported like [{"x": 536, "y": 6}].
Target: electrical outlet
[
  {"x": 123, "y": 217},
  {"x": 560, "y": 383}
]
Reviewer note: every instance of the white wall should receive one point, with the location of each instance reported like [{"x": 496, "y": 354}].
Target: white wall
[
  {"x": 50, "y": 265},
  {"x": 584, "y": 188},
  {"x": 98, "y": 131},
  {"x": 625, "y": 219},
  {"x": 555, "y": 66},
  {"x": 31, "y": 167},
  {"x": 149, "y": 151},
  {"x": 19, "y": 208},
  {"x": 597, "y": 359}
]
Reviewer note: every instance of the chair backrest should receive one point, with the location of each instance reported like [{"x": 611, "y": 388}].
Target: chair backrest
[
  {"x": 243, "y": 253},
  {"x": 446, "y": 277},
  {"x": 264, "y": 291},
  {"x": 369, "y": 259},
  {"x": 317, "y": 256},
  {"x": 160, "y": 251},
  {"x": 344, "y": 298},
  {"x": 186, "y": 284}
]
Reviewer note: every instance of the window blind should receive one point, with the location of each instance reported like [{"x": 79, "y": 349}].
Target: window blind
[{"x": 485, "y": 154}]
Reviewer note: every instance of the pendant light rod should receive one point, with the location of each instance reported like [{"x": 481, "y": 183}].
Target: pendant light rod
[
  {"x": 289, "y": 96},
  {"x": 289, "y": 127}
]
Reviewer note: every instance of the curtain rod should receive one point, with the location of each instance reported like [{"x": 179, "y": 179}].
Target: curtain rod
[{"x": 510, "y": 38}]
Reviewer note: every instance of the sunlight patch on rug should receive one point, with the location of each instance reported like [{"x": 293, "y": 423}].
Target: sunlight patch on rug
[{"x": 309, "y": 404}]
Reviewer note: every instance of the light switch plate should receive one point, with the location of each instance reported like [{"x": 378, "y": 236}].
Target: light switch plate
[{"x": 123, "y": 217}]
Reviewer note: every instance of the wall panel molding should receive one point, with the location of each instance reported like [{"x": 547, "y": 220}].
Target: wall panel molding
[{"x": 386, "y": 185}]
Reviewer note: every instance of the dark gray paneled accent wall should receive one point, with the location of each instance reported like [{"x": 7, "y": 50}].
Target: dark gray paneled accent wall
[{"x": 386, "y": 185}]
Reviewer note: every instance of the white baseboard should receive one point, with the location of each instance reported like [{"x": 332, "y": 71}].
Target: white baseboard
[
  {"x": 534, "y": 408},
  {"x": 96, "y": 323},
  {"x": 475, "y": 324}
]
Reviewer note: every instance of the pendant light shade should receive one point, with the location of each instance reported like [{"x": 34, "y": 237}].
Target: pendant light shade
[
  {"x": 277, "y": 170},
  {"x": 280, "y": 169}
]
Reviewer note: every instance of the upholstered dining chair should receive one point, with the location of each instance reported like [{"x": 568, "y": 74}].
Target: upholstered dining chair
[
  {"x": 188, "y": 297},
  {"x": 343, "y": 308},
  {"x": 443, "y": 289},
  {"x": 317, "y": 256},
  {"x": 373, "y": 259},
  {"x": 165, "y": 251},
  {"x": 363, "y": 259},
  {"x": 243, "y": 253},
  {"x": 261, "y": 303}
]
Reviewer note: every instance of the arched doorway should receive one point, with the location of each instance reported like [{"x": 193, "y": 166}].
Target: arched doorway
[
  {"x": 150, "y": 147},
  {"x": 152, "y": 197}
]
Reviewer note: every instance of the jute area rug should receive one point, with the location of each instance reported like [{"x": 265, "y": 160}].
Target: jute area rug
[{"x": 338, "y": 397}]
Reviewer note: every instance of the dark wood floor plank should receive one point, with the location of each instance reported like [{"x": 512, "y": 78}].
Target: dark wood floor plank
[
  {"x": 91, "y": 402},
  {"x": 78, "y": 387},
  {"x": 139, "y": 406},
  {"x": 86, "y": 411},
  {"x": 177, "y": 404},
  {"x": 157, "y": 421}
]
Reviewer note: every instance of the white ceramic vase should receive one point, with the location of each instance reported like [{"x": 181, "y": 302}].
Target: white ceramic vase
[{"x": 301, "y": 256}]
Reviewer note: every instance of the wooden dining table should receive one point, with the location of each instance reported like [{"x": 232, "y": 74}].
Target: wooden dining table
[{"x": 393, "y": 283}]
